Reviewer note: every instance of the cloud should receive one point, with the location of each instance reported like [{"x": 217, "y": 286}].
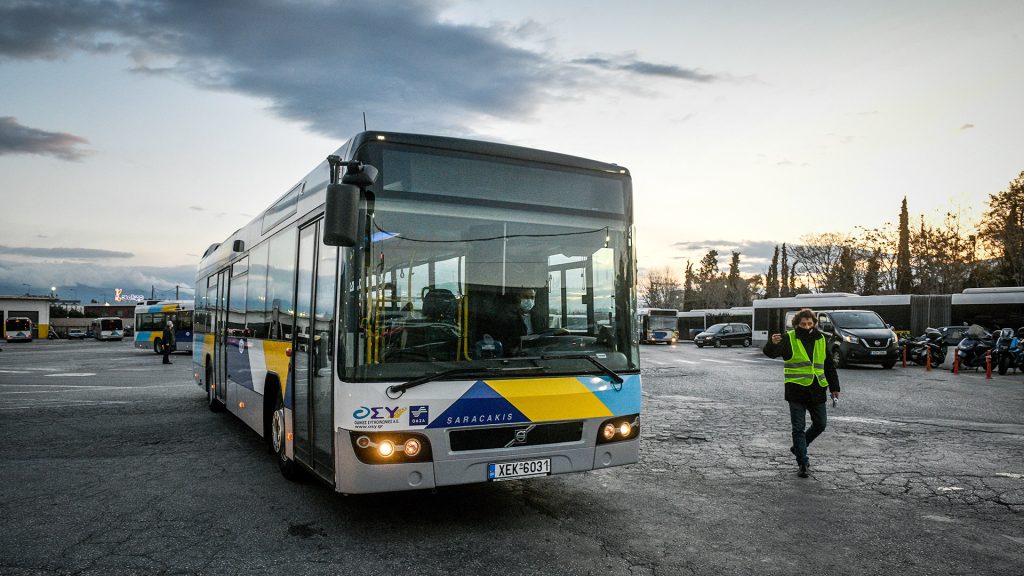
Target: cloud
[
  {"x": 196, "y": 208},
  {"x": 87, "y": 280},
  {"x": 324, "y": 64},
  {"x": 967, "y": 127},
  {"x": 750, "y": 250},
  {"x": 69, "y": 253},
  {"x": 630, "y": 64},
  {"x": 18, "y": 139}
]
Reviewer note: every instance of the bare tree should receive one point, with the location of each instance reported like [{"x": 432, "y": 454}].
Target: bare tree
[
  {"x": 819, "y": 254},
  {"x": 660, "y": 289}
]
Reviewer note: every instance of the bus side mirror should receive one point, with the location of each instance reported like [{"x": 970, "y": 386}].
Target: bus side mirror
[{"x": 341, "y": 215}]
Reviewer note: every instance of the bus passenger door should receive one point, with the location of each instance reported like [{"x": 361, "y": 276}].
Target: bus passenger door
[
  {"x": 220, "y": 336},
  {"x": 301, "y": 344},
  {"x": 313, "y": 345}
]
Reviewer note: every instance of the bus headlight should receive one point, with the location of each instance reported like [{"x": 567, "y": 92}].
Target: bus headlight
[
  {"x": 619, "y": 429},
  {"x": 390, "y": 447}
]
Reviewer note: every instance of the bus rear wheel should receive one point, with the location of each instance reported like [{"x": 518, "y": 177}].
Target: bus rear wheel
[
  {"x": 289, "y": 469},
  {"x": 157, "y": 345}
]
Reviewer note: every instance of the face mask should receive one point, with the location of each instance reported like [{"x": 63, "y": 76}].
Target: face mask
[
  {"x": 803, "y": 331},
  {"x": 526, "y": 304}
]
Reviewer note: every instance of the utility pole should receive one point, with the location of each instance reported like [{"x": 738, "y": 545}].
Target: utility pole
[
  {"x": 175, "y": 291},
  {"x": 152, "y": 291}
]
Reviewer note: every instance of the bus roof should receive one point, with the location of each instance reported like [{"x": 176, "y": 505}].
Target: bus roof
[{"x": 165, "y": 306}]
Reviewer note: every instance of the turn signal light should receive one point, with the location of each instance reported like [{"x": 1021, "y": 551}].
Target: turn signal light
[
  {"x": 619, "y": 429},
  {"x": 386, "y": 448}
]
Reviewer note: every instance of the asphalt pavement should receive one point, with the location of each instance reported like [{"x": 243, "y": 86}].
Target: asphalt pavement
[{"x": 111, "y": 464}]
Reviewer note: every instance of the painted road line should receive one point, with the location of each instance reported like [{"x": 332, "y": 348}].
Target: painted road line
[
  {"x": 36, "y": 405},
  {"x": 71, "y": 375},
  {"x": 715, "y": 361},
  {"x": 750, "y": 361}
]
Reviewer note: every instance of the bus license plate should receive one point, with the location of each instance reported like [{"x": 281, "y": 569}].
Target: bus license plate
[{"x": 521, "y": 469}]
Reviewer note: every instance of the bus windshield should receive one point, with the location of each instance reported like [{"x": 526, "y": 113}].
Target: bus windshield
[
  {"x": 854, "y": 320},
  {"x": 658, "y": 322},
  {"x": 474, "y": 263},
  {"x": 110, "y": 324},
  {"x": 20, "y": 324}
]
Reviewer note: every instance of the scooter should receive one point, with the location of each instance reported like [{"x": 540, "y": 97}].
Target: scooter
[
  {"x": 1009, "y": 350},
  {"x": 974, "y": 347},
  {"x": 930, "y": 343}
]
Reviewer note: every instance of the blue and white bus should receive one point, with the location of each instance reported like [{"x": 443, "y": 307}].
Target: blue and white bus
[
  {"x": 150, "y": 320},
  {"x": 18, "y": 328},
  {"x": 422, "y": 311},
  {"x": 107, "y": 328},
  {"x": 658, "y": 325}
]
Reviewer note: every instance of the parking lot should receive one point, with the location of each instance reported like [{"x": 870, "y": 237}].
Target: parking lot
[{"x": 113, "y": 465}]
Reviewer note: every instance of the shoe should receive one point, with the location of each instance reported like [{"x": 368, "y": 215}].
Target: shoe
[
  {"x": 803, "y": 471},
  {"x": 168, "y": 362}
]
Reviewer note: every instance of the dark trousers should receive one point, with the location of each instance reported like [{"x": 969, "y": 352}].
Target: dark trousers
[
  {"x": 802, "y": 438},
  {"x": 167, "y": 354}
]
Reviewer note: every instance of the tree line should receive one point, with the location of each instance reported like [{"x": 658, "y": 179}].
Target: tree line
[{"x": 910, "y": 256}]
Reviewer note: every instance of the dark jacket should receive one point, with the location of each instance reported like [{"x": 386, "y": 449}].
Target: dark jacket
[
  {"x": 813, "y": 394},
  {"x": 509, "y": 327},
  {"x": 168, "y": 337}
]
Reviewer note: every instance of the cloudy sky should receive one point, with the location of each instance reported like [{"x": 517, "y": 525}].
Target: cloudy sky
[{"x": 745, "y": 123}]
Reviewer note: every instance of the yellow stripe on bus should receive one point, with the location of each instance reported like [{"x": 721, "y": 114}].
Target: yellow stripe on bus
[
  {"x": 277, "y": 360},
  {"x": 543, "y": 399}
]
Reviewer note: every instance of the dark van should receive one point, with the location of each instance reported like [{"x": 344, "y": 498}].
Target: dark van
[
  {"x": 858, "y": 337},
  {"x": 727, "y": 334}
]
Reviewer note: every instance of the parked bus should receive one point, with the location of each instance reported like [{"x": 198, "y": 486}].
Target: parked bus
[
  {"x": 18, "y": 328},
  {"x": 907, "y": 314},
  {"x": 109, "y": 328},
  {"x": 658, "y": 325},
  {"x": 150, "y": 320},
  {"x": 422, "y": 311}
]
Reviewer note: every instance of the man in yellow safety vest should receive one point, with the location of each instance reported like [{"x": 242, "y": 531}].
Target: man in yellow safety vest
[{"x": 808, "y": 372}]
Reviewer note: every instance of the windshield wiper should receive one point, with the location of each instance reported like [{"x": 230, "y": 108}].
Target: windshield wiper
[
  {"x": 399, "y": 389},
  {"x": 608, "y": 371}
]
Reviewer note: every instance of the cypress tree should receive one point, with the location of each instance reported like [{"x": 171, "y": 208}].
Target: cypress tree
[{"x": 903, "y": 273}]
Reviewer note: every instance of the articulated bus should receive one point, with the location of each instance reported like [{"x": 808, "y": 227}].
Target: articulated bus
[
  {"x": 150, "y": 320},
  {"x": 109, "y": 328},
  {"x": 423, "y": 311},
  {"x": 18, "y": 328},
  {"x": 658, "y": 325},
  {"x": 693, "y": 322},
  {"x": 907, "y": 314}
]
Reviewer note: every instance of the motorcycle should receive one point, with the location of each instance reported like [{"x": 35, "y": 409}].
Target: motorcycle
[
  {"x": 918, "y": 349},
  {"x": 1009, "y": 350},
  {"x": 974, "y": 347}
]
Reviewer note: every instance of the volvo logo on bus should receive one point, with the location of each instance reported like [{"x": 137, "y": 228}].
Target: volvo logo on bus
[{"x": 520, "y": 436}]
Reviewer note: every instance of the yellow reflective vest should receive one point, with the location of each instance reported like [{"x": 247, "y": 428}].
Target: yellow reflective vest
[{"x": 802, "y": 370}]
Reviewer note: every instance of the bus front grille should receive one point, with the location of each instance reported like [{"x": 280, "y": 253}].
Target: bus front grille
[{"x": 513, "y": 436}]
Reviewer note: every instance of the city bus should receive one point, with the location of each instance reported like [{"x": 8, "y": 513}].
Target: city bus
[
  {"x": 108, "y": 328},
  {"x": 18, "y": 328},
  {"x": 150, "y": 320},
  {"x": 658, "y": 325},
  {"x": 422, "y": 311}
]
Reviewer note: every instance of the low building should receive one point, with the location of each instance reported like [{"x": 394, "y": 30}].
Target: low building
[{"x": 35, "y": 308}]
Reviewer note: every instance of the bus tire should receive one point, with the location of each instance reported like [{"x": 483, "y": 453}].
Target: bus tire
[
  {"x": 271, "y": 391},
  {"x": 157, "y": 345},
  {"x": 211, "y": 397},
  {"x": 289, "y": 468}
]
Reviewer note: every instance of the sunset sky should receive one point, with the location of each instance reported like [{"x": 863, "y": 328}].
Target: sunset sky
[{"x": 745, "y": 124}]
